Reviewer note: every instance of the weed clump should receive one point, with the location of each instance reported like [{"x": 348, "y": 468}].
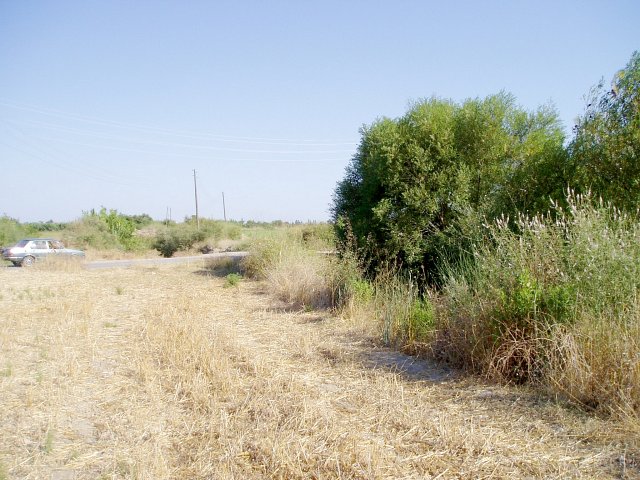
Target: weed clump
[
  {"x": 297, "y": 272},
  {"x": 232, "y": 280},
  {"x": 173, "y": 240},
  {"x": 554, "y": 303},
  {"x": 550, "y": 300}
]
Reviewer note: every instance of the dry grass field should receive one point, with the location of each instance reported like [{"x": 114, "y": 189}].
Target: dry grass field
[{"x": 165, "y": 373}]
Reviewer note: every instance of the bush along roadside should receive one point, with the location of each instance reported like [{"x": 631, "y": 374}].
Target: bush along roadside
[
  {"x": 554, "y": 304},
  {"x": 173, "y": 239}
]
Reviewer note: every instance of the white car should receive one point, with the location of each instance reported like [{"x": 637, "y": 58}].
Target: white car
[{"x": 26, "y": 251}]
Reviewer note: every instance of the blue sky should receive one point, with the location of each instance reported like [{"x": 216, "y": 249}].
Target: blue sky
[{"x": 114, "y": 103}]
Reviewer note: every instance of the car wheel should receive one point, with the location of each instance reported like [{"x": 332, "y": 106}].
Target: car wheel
[{"x": 28, "y": 261}]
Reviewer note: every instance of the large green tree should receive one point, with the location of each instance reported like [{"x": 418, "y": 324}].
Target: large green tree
[{"x": 416, "y": 183}]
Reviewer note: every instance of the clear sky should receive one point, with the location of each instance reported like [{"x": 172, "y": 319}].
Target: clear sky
[{"x": 115, "y": 103}]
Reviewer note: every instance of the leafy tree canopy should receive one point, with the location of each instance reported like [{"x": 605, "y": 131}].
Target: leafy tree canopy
[
  {"x": 606, "y": 148},
  {"x": 414, "y": 178}
]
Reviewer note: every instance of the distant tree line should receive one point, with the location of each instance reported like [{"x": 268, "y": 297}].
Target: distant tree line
[{"x": 420, "y": 187}]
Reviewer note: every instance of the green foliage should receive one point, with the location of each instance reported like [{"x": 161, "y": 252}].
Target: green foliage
[
  {"x": 519, "y": 301},
  {"x": 120, "y": 226},
  {"x": 139, "y": 221},
  {"x": 361, "y": 290},
  {"x": 605, "y": 152},
  {"x": 419, "y": 187},
  {"x": 420, "y": 321},
  {"x": 232, "y": 280},
  {"x": 166, "y": 244},
  {"x": 91, "y": 231},
  {"x": 172, "y": 240},
  {"x": 320, "y": 236},
  {"x": 49, "y": 226},
  {"x": 10, "y": 231},
  {"x": 105, "y": 230},
  {"x": 561, "y": 271}
]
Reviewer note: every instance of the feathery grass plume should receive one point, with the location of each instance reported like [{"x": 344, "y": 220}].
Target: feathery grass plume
[{"x": 554, "y": 303}]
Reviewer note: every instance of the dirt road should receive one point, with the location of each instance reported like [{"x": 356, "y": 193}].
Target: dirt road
[{"x": 160, "y": 372}]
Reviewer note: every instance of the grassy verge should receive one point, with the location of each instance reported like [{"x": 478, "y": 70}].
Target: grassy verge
[
  {"x": 555, "y": 305},
  {"x": 161, "y": 372},
  {"x": 552, "y": 303},
  {"x": 297, "y": 269}
]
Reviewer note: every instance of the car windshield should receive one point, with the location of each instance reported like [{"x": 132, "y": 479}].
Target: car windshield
[{"x": 22, "y": 243}]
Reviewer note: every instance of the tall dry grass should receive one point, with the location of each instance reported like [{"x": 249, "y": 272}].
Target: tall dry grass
[
  {"x": 299, "y": 271},
  {"x": 272, "y": 395},
  {"x": 161, "y": 373},
  {"x": 552, "y": 302},
  {"x": 59, "y": 263},
  {"x": 555, "y": 304}
]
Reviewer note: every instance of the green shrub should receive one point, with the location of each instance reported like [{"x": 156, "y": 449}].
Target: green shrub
[
  {"x": 10, "y": 231},
  {"x": 319, "y": 236},
  {"x": 232, "y": 280},
  {"x": 177, "y": 239},
  {"x": 414, "y": 179},
  {"x": 167, "y": 244},
  {"x": 420, "y": 321},
  {"x": 361, "y": 290},
  {"x": 91, "y": 232},
  {"x": 555, "y": 304},
  {"x": 121, "y": 227},
  {"x": 232, "y": 231}
]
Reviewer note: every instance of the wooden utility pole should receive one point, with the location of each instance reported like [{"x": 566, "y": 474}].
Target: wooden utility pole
[
  {"x": 224, "y": 208},
  {"x": 195, "y": 191}
]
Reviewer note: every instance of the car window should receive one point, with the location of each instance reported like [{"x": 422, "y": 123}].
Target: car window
[
  {"x": 22, "y": 243},
  {"x": 56, "y": 244},
  {"x": 39, "y": 244}
]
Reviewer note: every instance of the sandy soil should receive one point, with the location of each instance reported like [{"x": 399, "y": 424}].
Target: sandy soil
[{"x": 162, "y": 372}]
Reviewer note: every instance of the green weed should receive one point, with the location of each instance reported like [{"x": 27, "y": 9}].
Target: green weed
[
  {"x": 47, "y": 447},
  {"x": 232, "y": 280}
]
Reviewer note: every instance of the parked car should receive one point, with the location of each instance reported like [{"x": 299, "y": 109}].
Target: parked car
[{"x": 27, "y": 251}]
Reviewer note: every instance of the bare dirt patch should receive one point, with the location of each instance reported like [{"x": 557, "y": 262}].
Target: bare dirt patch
[{"x": 160, "y": 372}]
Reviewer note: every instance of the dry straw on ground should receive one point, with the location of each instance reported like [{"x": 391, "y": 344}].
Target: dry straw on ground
[{"x": 161, "y": 373}]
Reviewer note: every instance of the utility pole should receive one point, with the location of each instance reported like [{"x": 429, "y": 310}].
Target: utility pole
[
  {"x": 224, "y": 208},
  {"x": 195, "y": 191}
]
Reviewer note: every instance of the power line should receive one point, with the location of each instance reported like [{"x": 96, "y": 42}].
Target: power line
[
  {"x": 201, "y": 147},
  {"x": 203, "y": 157},
  {"x": 220, "y": 137}
]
